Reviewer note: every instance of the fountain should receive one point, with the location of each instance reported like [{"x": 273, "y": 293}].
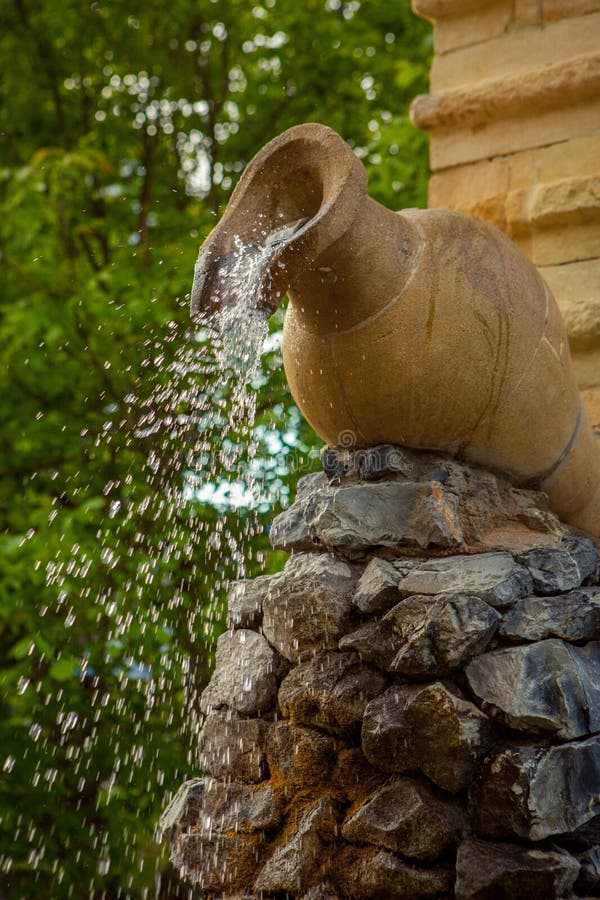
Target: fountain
[{"x": 412, "y": 707}]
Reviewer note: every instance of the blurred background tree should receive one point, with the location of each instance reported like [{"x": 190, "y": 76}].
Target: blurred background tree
[{"x": 125, "y": 127}]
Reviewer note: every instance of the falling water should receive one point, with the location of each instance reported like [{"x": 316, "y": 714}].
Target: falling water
[{"x": 196, "y": 429}]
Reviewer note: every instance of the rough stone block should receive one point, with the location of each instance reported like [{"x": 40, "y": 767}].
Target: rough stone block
[
  {"x": 295, "y": 861},
  {"x": 217, "y": 862},
  {"x": 427, "y": 727},
  {"x": 302, "y": 756},
  {"x": 234, "y": 748},
  {"x": 534, "y": 792},
  {"x": 562, "y": 568},
  {"x": 207, "y": 804},
  {"x": 377, "y": 588},
  {"x": 407, "y": 817},
  {"x": 589, "y": 873},
  {"x": 572, "y": 617},
  {"x": 549, "y": 687},
  {"x": 246, "y": 674},
  {"x": 485, "y": 870},
  {"x": 359, "y": 517},
  {"x": 453, "y": 32},
  {"x": 308, "y": 606},
  {"x": 245, "y": 602},
  {"x": 426, "y": 635},
  {"x": 330, "y": 691},
  {"x": 369, "y": 874},
  {"x": 493, "y": 577},
  {"x": 576, "y": 287}
]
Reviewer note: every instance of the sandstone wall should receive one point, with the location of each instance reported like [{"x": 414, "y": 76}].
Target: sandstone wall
[{"x": 514, "y": 117}]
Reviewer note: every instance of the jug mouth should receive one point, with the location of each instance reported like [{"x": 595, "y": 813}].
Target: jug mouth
[
  {"x": 297, "y": 196},
  {"x": 252, "y": 269}
]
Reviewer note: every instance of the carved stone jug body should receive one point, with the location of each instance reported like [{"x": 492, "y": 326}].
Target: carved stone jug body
[{"x": 424, "y": 328}]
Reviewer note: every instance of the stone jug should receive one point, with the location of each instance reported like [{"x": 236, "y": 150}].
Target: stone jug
[{"x": 423, "y": 328}]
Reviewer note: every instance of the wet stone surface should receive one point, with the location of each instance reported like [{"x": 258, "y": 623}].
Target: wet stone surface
[
  {"x": 549, "y": 686},
  {"x": 427, "y": 727},
  {"x": 329, "y": 691},
  {"x": 486, "y": 870},
  {"x": 562, "y": 568},
  {"x": 426, "y": 635},
  {"x": 573, "y": 617},
  {"x": 308, "y": 607},
  {"x": 411, "y": 708},
  {"x": 232, "y": 747},
  {"x": 246, "y": 674}
]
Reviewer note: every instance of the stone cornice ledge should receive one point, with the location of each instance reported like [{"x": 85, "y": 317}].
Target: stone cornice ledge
[
  {"x": 557, "y": 84},
  {"x": 441, "y": 9}
]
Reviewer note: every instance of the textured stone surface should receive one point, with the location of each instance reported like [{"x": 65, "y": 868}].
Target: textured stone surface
[
  {"x": 573, "y": 617},
  {"x": 485, "y": 870},
  {"x": 549, "y": 686},
  {"x": 428, "y": 727},
  {"x": 330, "y": 691},
  {"x": 534, "y": 792},
  {"x": 358, "y": 517},
  {"x": 493, "y": 577},
  {"x": 246, "y": 674},
  {"x": 558, "y": 569},
  {"x": 367, "y": 873},
  {"x": 408, "y": 817},
  {"x": 426, "y": 635},
  {"x": 207, "y": 804},
  {"x": 324, "y": 890},
  {"x": 589, "y": 873},
  {"x": 377, "y": 588},
  {"x": 302, "y": 756},
  {"x": 234, "y": 748},
  {"x": 309, "y": 605},
  {"x": 245, "y": 602},
  {"x": 294, "y": 861},
  {"x": 217, "y": 862}
]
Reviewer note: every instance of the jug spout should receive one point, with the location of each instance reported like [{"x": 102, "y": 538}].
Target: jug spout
[{"x": 297, "y": 197}]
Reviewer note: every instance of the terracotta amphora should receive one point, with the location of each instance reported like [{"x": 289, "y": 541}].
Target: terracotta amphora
[{"x": 424, "y": 328}]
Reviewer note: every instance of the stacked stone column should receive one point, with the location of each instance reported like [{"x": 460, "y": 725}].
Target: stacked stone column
[{"x": 412, "y": 707}]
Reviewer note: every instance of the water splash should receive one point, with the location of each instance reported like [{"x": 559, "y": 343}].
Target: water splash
[{"x": 164, "y": 571}]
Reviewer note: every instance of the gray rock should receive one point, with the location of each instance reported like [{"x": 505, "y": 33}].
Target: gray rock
[
  {"x": 234, "y": 748},
  {"x": 294, "y": 862},
  {"x": 246, "y": 674},
  {"x": 330, "y": 691},
  {"x": 217, "y": 862},
  {"x": 245, "y": 602},
  {"x": 370, "y": 463},
  {"x": 301, "y": 756},
  {"x": 377, "y": 588},
  {"x": 561, "y": 568},
  {"x": 368, "y": 874},
  {"x": 589, "y": 873},
  {"x": 427, "y": 727},
  {"x": 485, "y": 870},
  {"x": 426, "y": 635},
  {"x": 573, "y": 617},
  {"x": 208, "y": 805},
  {"x": 308, "y": 606},
  {"x": 359, "y": 517},
  {"x": 493, "y": 577},
  {"x": 407, "y": 817},
  {"x": 534, "y": 792},
  {"x": 549, "y": 686}
]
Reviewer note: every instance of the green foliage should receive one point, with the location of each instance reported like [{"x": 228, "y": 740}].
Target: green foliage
[{"x": 125, "y": 127}]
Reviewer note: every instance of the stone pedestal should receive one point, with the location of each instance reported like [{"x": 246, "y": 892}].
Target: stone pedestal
[
  {"x": 412, "y": 707},
  {"x": 514, "y": 117}
]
